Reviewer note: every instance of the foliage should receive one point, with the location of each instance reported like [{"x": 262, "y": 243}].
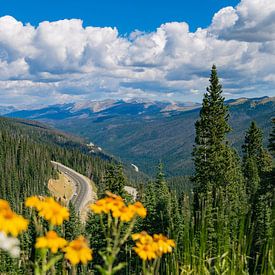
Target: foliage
[{"x": 53, "y": 253}]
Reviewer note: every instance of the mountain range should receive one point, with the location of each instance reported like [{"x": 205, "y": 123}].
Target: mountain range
[
  {"x": 145, "y": 132},
  {"x": 100, "y": 109}
]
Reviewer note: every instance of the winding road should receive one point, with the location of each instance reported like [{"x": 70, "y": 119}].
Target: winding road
[
  {"x": 83, "y": 188},
  {"x": 83, "y": 191}
]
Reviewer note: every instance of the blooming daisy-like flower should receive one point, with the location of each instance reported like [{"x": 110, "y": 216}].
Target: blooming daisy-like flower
[
  {"x": 78, "y": 251},
  {"x": 142, "y": 237},
  {"x": 100, "y": 207},
  {"x": 164, "y": 244},
  {"x": 114, "y": 203},
  {"x": 51, "y": 241},
  {"x": 124, "y": 213},
  {"x": 145, "y": 251},
  {"x": 148, "y": 247},
  {"x": 139, "y": 209},
  {"x": 34, "y": 202},
  {"x": 117, "y": 207},
  {"x": 105, "y": 205},
  {"x": 53, "y": 212},
  {"x": 4, "y": 206},
  {"x": 145, "y": 246},
  {"x": 9, "y": 244},
  {"x": 49, "y": 209},
  {"x": 11, "y": 223}
]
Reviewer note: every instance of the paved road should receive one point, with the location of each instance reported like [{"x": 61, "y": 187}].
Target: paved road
[{"x": 81, "y": 184}]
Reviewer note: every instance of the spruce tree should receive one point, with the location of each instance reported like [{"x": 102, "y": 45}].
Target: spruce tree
[
  {"x": 114, "y": 180},
  {"x": 219, "y": 195},
  {"x": 163, "y": 201},
  {"x": 257, "y": 165},
  {"x": 211, "y": 129},
  {"x": 149, "y": 201},
  {"x": 264, "y": 208},
  {"x": 256, "y": 160},
  {"x": 72, "y": 227}
]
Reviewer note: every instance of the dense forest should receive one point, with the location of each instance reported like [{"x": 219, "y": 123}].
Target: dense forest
[
  {"x": 224, "y": 224},
  {"x": 26, "y": 151}
]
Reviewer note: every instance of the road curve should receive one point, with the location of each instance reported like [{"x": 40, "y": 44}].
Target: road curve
[{"x": 81, "y": 183}]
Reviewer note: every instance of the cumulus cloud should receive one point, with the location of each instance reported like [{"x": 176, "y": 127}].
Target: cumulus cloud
[
  {"x": 63, "y": 61},
  {"x": 251, "y": 20}
]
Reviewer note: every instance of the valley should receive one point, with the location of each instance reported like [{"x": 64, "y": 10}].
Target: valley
[{"x": 144, "y": 132}]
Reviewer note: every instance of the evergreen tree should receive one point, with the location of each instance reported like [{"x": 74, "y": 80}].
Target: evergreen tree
[
  {"x": 114, "y": 180},
  {"x": 256, "y": 160},
  {"x": 257, "y": 165},
  {"x": 149, "y": 201},
  {"x": 264, "y": 208},
  {"x": 72, "y": 227},
  {"x": 163, "y": 201},
  {"x": 211, "y": 129},
  {"x": 95, "y": 235},
  {"x": 219, "y": 195}
]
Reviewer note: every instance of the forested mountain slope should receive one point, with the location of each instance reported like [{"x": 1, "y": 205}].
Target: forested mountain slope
[
  {"x": 26, "y": 149},
  {"x": 145, "y": 134}
]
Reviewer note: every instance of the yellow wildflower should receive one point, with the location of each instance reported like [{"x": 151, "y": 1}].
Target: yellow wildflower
[
  {"x": 145, "y": 246},
  {"x": 164, "y": 244},
  {"x": 34, "y": 202},
  {"x": 116, "y": 205},
  {"x": 78, "y": 251},
  {"x": 145, "y": 251},
  {"x": 124, "y": 213},
  {"x": 4, "y": 206},
  {"x": 100, "y": 207},
  {"x": 139, "y": 209},
  {"x": 53, "y": 212},
  {"x": 143, "y": 237},
  {"x": 114, "y": 196},
  {"x": 49, "y": 209},
  {"x": 105, "y": 205},
  {"x": 11, "y": 223},
  {"x": 148, "y": 247},
  {"x": 51, "y": 241}
]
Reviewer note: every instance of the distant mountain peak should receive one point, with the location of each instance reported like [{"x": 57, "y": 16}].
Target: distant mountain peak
[
  {"x": 94, "y": 106},
  {"x": 104, "y": 109},
  {"x": 255, "y": 100}
]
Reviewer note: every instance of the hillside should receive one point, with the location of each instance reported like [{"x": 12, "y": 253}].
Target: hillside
[
  {"x": 143, "y": 133},
  {"x": 26, "y": 151}
]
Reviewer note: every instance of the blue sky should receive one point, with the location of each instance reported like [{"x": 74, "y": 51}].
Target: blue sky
[
  {"x": 66, "y": 51},
  {"x": 126, "y": 15}
]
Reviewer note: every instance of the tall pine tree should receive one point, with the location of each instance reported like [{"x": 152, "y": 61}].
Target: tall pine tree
[
  {"x": 219, "y": 195},
  {"x": 256, "y": 160},
  {"x": 114, "y": 180},
  {"x": 262, "y": 203}
]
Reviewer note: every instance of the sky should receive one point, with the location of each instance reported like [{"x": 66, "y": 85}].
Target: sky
[
  {"x": 66, "y": 51},
  {"x": 125, "y": 15}
]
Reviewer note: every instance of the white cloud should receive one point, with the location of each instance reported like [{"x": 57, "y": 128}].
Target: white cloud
[
  {"x": 225, "y": 18},
  {"x": 63, "y": 61},
  {"x": 251, "y": 20}
]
